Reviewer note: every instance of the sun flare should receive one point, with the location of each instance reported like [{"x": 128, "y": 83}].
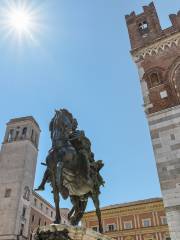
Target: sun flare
[{"x": 20, "y": 20}]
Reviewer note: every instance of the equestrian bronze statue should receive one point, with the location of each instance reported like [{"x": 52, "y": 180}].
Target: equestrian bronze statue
[{"x": 71, "y": 168}]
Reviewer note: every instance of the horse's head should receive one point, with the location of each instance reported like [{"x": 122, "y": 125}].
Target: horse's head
[{"x": 63, "y": 123}]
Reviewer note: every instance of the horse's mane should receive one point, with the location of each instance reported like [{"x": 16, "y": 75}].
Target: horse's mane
[{"x": 68, "y": 114}]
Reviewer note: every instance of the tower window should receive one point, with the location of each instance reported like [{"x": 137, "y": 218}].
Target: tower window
[
  {"x": 7, "y": 193},
  {"x": 143, "y": 27},
  {"x": 24, "y": 131},
  {"x": 16, "y": 135},
  {"x": 10, "y": 137},
  {"x": 154, "y": 79},
  {"x": 32, "y": 135}
]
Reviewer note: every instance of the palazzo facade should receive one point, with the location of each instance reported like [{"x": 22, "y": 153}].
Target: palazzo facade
[{"x": 140, "y": 220}]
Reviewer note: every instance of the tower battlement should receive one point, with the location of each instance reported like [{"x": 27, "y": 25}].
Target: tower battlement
[
  {"x": 22, "y": 128},
  {"x": 175, "y": 19},
  {"x": 145, "y": 29}
]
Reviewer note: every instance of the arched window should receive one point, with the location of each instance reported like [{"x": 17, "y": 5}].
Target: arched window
[
  {"x": 175, "y": 79},
  {"x": 24, "y": 131},
  {"x": 143, "y": 27},
  {"x": 10, "y": 137},
  {"x": 154, "y": 79},
  {"x": 32, "y": 135},
  {"x": 16, "y": 135}
]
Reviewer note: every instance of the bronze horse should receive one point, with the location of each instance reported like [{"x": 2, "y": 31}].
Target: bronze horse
[{"x": 71, "y": 168}]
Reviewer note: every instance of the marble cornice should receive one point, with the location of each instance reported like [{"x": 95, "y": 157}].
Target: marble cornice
[
  {"x": 157, "y": 47},
  {"x": 124, "y": 211}
]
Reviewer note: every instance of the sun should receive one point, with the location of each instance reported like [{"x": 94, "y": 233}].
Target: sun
[{"x": 19, "y": 20}]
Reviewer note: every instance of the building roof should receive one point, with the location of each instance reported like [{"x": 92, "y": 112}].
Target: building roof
[
  {"x": 43, "y": 200},
  {"x": 46, "y": 202},
  {"x": 31, "y": 118},
  {"x": 150, "y": 200}
]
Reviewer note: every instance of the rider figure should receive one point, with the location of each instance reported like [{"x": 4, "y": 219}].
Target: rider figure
[{"x": 82, "y": 146}]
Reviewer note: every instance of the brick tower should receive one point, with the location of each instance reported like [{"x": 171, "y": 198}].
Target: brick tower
[
  {"x": 18, "y": 158},
  {"x": 156, "y": 53}
]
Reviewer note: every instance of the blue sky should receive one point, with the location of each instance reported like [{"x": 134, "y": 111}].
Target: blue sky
[{"x": 81, "y": 62}]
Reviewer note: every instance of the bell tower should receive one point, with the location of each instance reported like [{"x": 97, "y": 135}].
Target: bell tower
[
  {"x": 156, "y": 52},
  {"x": 18, "y": 158}
]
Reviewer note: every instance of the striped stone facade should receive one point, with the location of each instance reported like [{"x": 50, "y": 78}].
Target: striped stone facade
[
  {"x": 156, "y": 53},
  {"x": 165, "y": 134}
]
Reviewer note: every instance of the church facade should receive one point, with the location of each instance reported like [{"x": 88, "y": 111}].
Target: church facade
[{"x": 156, "y": 52}]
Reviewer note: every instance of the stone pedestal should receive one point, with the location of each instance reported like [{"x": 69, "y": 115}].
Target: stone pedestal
[{"x": 65, "y": 232}]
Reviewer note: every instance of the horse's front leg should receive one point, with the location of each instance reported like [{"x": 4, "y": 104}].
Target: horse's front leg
[{"x": 98, "y": 211}]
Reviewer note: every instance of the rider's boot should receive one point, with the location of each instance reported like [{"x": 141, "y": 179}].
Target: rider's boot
[
  {"x": 45, "y": 178},
  {"x": 40, "y": 188}
]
